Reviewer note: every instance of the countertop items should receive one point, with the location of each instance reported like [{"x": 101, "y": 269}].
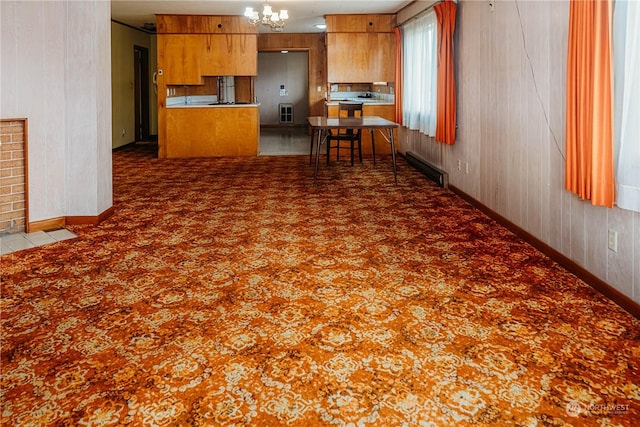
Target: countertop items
[
  {"x": 201, "y": 101},
  {"x": 363, "y": 100},
  {"x": 213, "y": 105}
]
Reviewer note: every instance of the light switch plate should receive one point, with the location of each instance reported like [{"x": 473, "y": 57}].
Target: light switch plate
[{"x": 613, "y": 240}]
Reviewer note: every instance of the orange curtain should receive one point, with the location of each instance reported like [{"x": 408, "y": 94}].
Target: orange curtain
[
  {"x": 589, "y": 164},
  {"x": 446, "y": 115},
  {"x": 398, "y": 89}
]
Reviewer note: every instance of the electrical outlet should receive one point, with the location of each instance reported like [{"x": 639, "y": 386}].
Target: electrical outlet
[
  {"x": 319, "y": 88},
  {"x": 459, "y": 164},
  {"x": 124, "y": 131},
  {"x": 613, "y": 240},
  {"x": 466, "y": 168}
]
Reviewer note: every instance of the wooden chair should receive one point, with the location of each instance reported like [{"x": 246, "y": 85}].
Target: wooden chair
[{"x": 346, "y": 109}]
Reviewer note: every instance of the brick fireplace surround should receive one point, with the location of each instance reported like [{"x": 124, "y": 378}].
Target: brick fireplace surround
[{"x": 13, "y": 177}]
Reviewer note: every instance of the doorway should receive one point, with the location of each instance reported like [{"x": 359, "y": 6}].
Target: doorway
[
  {"x": 282, "y": 84},
  {"x": 141, "y": 89}
]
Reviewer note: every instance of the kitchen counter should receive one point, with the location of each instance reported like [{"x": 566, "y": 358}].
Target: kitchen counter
[
  {"x": 204, "y": 128},
  {"x": 365, "y": 101},
  {"x": 212, "y": 105},
  {"x": 204, "y": 101}
]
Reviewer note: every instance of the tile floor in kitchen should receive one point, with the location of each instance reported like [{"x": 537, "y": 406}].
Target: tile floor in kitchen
[{"x": 285, "y": 141}]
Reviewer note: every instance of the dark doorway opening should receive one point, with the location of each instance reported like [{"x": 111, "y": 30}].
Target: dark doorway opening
[{"x": 141, "y": 88}]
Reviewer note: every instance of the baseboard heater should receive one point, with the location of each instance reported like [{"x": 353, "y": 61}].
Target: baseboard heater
[{"x": 439, "y": 176}]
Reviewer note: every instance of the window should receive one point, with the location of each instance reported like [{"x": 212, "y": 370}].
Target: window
[
  {"x": 603, "y": 152},
  {"x": 420, "y": 74},
  {"x": 626, "y": 39}
]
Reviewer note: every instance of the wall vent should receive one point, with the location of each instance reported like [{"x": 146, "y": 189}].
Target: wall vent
[
  {"x": 286, "y": 113},
  {"x": 439, "y": 176}
]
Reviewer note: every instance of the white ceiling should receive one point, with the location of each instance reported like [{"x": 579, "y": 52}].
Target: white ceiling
[{"x": 303, "y": 14}]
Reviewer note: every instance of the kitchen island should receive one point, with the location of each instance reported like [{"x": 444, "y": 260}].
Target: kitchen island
[
  {"x": 211, "y": 130},
  {"x": 203, "y": 59}
]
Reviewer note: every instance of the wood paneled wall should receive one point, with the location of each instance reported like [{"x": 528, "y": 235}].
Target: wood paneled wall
[
  {"x": 511, "y": 71},
  {"x": 314, "y": 43},
  {"x": 204, "y": 24}
]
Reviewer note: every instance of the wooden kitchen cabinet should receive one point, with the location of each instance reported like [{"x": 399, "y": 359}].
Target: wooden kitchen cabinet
[
  {"x": 179, "y": 59},
  {"x": 229, "y": 54},
  {"x": 212, "y": 131},
  {"x": 360, "y": 57},
  {"x": 185, "y": 58},
  {"x": 360, "y": 48},
  {"x": 192, "y": 50},
  {"x": 193, "y": 46}
]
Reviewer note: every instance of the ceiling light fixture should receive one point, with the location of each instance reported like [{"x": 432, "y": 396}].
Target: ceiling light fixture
[{"x": 274, "y": 20}]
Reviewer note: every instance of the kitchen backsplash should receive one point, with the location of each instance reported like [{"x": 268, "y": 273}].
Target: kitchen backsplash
[
  {"x": 381, "y": 97},
  {"x": 377, "y": 92},
  {"x": 191, "y": 100}
]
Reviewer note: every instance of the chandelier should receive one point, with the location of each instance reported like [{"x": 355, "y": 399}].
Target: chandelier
[{"x": 272, "y": 19}]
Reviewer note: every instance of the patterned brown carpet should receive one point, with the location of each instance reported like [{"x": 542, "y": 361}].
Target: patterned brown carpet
[{"x": 232, "y": 292}]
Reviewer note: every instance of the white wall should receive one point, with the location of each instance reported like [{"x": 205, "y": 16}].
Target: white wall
[
  {"x": 55, "y": 71},
  {"x": 291, "y": 70},
  {"x": 511, "y": 131}
]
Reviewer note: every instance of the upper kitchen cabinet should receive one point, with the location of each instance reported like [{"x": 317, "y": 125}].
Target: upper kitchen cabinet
[
  {"x": 229, "y": 54},
  {"x": 193, "y": 46},
  {"x": 179, "y": 59},
  {"x": 360, "y": 48},
  {"x": 360, "y": 57}
]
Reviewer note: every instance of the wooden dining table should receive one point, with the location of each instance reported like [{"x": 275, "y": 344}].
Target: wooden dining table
[{"x": 321, "y": 126}]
